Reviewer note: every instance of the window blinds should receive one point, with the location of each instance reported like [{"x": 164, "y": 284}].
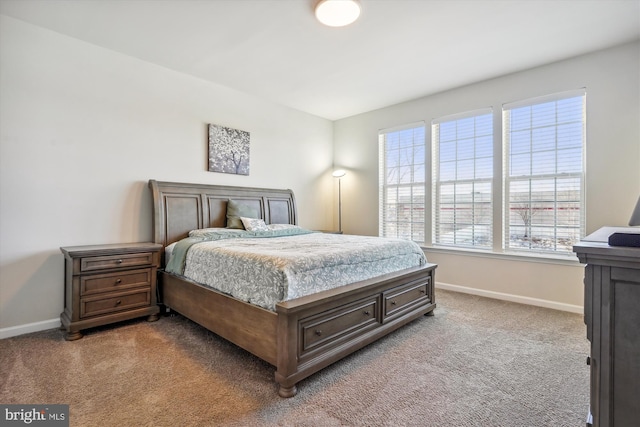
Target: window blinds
[
  {"x": 462, "y": 179},
  {"x": 402, "y": 182},
  {"x": 544, "y": 141}
]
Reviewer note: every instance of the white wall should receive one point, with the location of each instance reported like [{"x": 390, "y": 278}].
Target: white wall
[
  {"x": 612, "y": 80},
  {"x": 83, "y": 129}
]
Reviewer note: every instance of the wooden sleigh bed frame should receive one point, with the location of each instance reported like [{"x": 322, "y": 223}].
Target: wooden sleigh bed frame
[{"x": 303, "y": 335}]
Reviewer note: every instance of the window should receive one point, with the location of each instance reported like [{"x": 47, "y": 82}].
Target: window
[
  {"x": 544, "y": 143},
  {"x": 402, "y": 182},
  {"x": 541, "y": 208},
  {"x": 462, "y": 180}
]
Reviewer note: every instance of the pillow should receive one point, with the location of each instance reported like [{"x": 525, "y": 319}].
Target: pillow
[
  {"x": 254, "y": 224},
  {"x": 235, "y": 210},
  {"x": 281, "y": 226},
  {"x": 205, "y": 232}
]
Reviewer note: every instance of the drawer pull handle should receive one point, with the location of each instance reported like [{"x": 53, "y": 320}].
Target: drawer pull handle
[
  {"x": 393, "y": 303},
  {"x": 422, "y": 291},
  {"x": 367, "y": 312},
  {"x": 318, "y": 332},
  {"x": 118, "y": 302},
  {"x": 118, "y": 281},
  {"x": 119, "y": 261}
]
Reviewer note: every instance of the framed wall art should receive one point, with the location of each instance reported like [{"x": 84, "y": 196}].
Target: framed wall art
[{"x": 228, "y": 150}]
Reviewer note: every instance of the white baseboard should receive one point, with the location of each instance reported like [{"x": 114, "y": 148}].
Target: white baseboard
[
  {"x": 28, "y": 328},
  {"x": 510, "y": 297}
]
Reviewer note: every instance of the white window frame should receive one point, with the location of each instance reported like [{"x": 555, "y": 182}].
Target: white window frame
[
  {"x": 551, "y": 237},
  {"x": 461, "y": 178},
  {"x": 410, "y": 184}
]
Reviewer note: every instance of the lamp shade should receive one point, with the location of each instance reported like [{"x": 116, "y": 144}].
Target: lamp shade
[
  {"x": 339, "y": 173},
  {"x": 337, "y": 13}
]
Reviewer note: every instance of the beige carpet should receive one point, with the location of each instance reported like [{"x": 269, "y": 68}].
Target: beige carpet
[{"x": 477, "y": 362}]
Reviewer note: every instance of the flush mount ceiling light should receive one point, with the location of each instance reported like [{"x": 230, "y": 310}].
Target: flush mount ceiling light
[{"x": 337, "y": 13}]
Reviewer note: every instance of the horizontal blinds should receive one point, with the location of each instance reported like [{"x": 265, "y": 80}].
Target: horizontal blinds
[
  {"x": 545, "y": 98},
  {"x": 543, "y": 162},
  {"x": 462, "y": 179},
  {"x": 402, "y": 182}
]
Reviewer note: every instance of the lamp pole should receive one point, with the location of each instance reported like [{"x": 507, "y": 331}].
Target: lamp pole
[
  {"x": 339, "y": 174},
  {"x": 340, "y": 205}
]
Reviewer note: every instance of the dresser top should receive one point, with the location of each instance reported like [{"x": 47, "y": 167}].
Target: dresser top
[{"x": 594, "y": 248}]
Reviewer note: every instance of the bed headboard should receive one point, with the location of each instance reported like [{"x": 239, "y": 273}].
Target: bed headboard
[{"x": 179, "y": 208}]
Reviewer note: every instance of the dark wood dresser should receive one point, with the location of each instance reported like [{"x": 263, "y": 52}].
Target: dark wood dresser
[
  {"x": 108, "y": 283},
  {"x": 612, "y": 317}
]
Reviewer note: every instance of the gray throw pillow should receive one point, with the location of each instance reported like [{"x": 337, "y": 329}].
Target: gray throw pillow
[{"x": 235, "y": 210}]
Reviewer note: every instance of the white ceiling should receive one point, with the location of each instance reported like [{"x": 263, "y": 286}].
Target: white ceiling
[{"x": 397, "y": 51}]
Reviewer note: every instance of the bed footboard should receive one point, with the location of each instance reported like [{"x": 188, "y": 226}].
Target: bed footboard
[{"x": 318, "y": 330}]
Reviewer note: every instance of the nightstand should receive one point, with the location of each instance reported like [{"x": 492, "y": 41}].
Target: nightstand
[{"x": 108, "y": 283}]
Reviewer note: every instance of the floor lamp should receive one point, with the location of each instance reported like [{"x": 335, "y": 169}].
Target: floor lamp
[{"x": 339, "y": 173}]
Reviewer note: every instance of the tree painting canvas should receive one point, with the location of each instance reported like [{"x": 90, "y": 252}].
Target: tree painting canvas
[{"x": 228, "y": 150}]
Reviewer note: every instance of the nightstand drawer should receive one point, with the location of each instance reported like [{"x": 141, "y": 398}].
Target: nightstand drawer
[
  {"x": 115, "y": 261},
  {"x": 97, "y": 305},
  {"x": 108, "y": 282}
]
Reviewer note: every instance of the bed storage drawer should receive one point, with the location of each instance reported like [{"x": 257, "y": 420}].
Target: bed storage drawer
[
  {"x": 115, "y": 281},
  {"x": 331, "y": 328},
  {"x": 405, "y": 297},
  {"x": 94, "y": 306}
]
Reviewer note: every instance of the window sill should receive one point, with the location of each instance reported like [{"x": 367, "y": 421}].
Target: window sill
[{"x": 569, "y": 260}]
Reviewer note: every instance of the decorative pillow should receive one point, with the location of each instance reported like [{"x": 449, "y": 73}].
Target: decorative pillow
[
  {"x": 254, "y": 224},
  {"x": 236, "y": 210}
]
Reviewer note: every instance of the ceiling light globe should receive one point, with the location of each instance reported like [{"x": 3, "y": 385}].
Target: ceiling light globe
[{"x": 337, "y": 13}]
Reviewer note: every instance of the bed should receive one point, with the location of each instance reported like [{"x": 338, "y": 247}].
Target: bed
[{"x": 302, "y": 335}]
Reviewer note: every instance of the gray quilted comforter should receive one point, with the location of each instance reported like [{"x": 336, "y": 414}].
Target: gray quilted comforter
[{"x": 264, "y": 268}]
